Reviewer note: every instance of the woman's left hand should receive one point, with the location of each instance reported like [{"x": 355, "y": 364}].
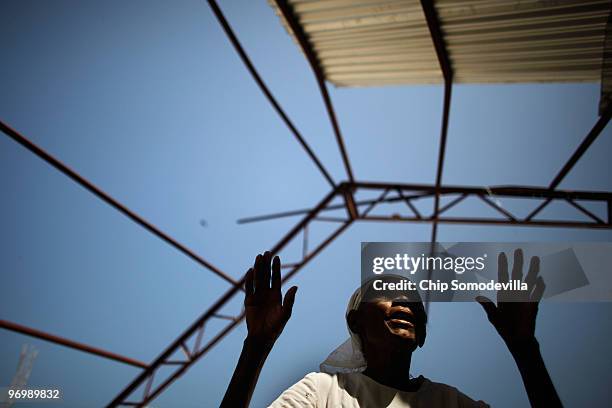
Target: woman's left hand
[{"x": 514, "y": 316}]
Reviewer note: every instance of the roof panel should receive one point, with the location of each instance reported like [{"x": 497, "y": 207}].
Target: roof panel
[{"x": 387, "y": 42}]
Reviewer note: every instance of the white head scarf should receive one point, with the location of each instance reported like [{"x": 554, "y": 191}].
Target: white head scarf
[{"x": 348, "y": 357}]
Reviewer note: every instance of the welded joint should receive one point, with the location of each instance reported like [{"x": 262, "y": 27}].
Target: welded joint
[{"x": 351, "y": 208}]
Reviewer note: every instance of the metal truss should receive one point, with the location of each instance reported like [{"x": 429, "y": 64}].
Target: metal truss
[
  {"x": 410, "y": 193},
  {"x": 203, "y": 335}
]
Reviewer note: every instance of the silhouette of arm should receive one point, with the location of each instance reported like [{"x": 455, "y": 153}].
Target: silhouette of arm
[
  {"x": 266, "y": 316},
  {"x": 515, "y": 322}
]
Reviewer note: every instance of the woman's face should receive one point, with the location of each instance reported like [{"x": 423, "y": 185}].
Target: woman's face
[{"x": 385, "y": 323}]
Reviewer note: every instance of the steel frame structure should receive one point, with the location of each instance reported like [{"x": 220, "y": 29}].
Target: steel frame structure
[{"x": 197, "y": 340}]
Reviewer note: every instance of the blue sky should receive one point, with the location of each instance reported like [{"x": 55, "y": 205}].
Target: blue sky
[{"x": 150, "y": 102}]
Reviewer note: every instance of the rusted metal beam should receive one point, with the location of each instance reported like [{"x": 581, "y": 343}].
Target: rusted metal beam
[
  {"x": 496, "y": 221},
  {"x": 53, "y": 161},
  {"x": 28, "y": 331},
  {"x": 298, "y": 31},
  {"x": 501, "y": 191},
  {"x": 435, "y": 31},
  {"x": 266, "y": 91},
  {"x": 448, "y": 86}
]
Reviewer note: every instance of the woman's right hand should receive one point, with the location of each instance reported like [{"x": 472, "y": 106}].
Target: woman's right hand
[{"x": 266, "y": 311}]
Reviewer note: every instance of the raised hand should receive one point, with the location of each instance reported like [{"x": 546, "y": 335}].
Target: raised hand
[
  {"x": 266, "y": 312},
  {"x": 514, "y": 316},
  {"x": 266, "y": 316}
]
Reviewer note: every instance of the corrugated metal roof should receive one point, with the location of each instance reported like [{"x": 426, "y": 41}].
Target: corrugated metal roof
[{"x": 387, "y": 42}]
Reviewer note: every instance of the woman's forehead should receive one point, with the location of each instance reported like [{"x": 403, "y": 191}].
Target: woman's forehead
[{"x": 391, "y": 296}]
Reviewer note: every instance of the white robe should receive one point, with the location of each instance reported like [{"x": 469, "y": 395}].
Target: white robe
[{"x": 356, "y": 390}]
